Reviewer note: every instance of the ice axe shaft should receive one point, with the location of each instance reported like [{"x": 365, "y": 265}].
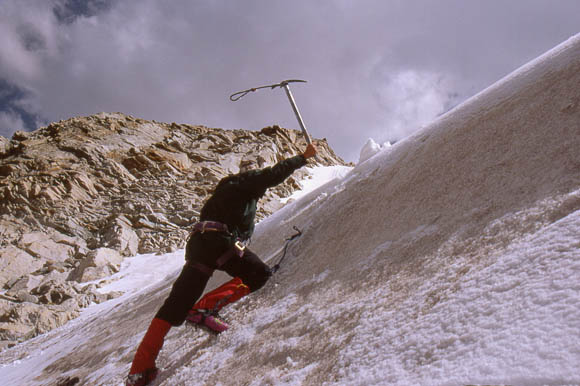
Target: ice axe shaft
[
  {"x": 284, "y": 84},
  {"x": 297, "y": 113}
]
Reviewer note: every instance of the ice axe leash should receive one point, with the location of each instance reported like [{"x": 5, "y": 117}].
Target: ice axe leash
[
  {"x": 298, "y": 233},
  {"x": 284, "y": 84}
]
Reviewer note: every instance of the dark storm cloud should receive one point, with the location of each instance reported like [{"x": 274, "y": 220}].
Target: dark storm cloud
[
  {"x": 12, "y": 115},
  {"x": 69, "y": 10},
  {"x": 376, "y": 69}
]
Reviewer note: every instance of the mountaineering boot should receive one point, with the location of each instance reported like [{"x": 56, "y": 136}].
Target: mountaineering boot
[
  {"x": 142, "y": 379},
  {"x": 143, "y": 369},
  {"x": 207, "y": 319}
]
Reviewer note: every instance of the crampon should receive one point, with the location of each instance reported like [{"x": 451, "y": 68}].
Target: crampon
[{"x": 207, "y": 319}]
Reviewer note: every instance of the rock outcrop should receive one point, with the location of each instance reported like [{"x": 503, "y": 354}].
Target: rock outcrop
[{"x": 79, "y": 195}]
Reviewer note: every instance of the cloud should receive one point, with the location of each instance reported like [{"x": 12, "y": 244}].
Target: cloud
[
  {"x": 409, "y": 100},
  {"x": 9, "y": 123},
  {"x": 28, "y": 37},
  {"x": 374, "y": 68}
]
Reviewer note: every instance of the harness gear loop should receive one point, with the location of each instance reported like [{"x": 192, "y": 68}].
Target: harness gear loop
[{"x": 209, "y": 226}]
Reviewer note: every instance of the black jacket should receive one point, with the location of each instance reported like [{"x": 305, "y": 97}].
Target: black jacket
[{"x": 234, "y": 201}]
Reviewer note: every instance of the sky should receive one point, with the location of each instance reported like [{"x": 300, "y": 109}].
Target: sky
[{"x": 376, "y": 69}]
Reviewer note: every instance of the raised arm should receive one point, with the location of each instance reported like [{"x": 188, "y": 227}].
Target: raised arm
[{"x": 260, "y": 180}]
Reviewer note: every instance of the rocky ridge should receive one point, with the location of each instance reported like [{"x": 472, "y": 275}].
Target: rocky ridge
[{"x": 79, "y": 195}]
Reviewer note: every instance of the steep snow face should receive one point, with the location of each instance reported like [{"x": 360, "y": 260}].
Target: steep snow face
[{"x": 451, "y": 259}]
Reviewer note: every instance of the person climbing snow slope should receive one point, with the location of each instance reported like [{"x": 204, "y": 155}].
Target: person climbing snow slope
[{"x": 226, "y": 221}]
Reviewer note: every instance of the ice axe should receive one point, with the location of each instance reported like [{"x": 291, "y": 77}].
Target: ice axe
[{"x": 284, "y": 84}]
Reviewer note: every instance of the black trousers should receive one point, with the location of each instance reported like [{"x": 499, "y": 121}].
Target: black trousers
[{"x": 190, "y": 283}]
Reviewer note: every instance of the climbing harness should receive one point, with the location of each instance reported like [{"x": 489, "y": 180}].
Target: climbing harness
[
  {"x": 213, "y": 226},
  {"x": 237, "y": 249},
  {"x": 298, "y": 233},
  {"x": 284, "y": 84}
]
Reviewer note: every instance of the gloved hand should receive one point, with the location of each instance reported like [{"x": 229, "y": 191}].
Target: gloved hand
[{"x": 309, "y": 152}]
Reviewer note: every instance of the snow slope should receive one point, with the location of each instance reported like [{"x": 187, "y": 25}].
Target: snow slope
[{"x": 451, "y": 258}]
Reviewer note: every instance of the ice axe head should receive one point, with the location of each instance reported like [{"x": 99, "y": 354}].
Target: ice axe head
[
  {"x": 283, "y": 84},
  {"x": 238, "y": 95},
  {"x": 286, "y": 82}
]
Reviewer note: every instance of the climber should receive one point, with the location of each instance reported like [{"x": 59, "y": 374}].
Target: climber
[{"x": 226, "y": 221}]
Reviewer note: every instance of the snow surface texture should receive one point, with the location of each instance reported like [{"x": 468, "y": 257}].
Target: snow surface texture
[{"x": 450, "y": 259}]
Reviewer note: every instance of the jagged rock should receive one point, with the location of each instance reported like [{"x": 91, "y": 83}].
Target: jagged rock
[
  {"x": 15, "y": 263},
  {"x": 10, "y": 231},
  {"x": 181, "y": 220},
  {"x": 98, "y": 264},
  {"x": 144, "y": 222},
  {"x": 41, "y": 246},
  {"x": 79, "y": 245},
  {"x": 55, "y": 292},
  {"x": 178, "y": 160},
  {"x": 4, "y": 145},
  {"x": 53, "y": 275},
  {"x": 20, "y": 135},
  {"x": 24, "y": 315},
  {"x": 22, "y": 296},
  {"x": 12, "y": 331},
  {"x": 90, "y": 294},
  {"x": 27, "y": 283},
  {"x": 122, "y": 237},
  {"x": 26, "y": 320}
]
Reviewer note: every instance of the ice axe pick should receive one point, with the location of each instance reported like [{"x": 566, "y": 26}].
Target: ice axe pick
[{"x": 284, "y": 84}]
